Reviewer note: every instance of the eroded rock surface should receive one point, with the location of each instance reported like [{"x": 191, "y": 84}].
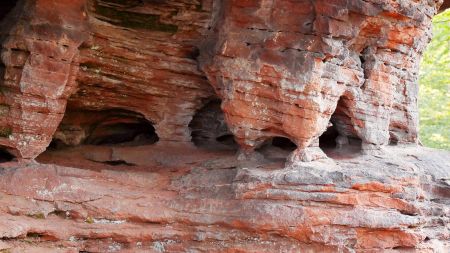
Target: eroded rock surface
[
  {"x": 40, "y": 47},
  {"x": 140, "y": 106},
  {"x": 138, "y": 56},
  {"x": 397, "y": 203},
  {"x": 284, "y": 67},
  {"x": 141, "y": 56}
]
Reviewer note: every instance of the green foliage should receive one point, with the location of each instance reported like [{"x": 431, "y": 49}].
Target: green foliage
[{"x": 434, "y": 95}]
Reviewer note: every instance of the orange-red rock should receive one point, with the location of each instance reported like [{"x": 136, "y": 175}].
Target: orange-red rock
[
  {"x": 284, "y": 67},
  {"x": 209, "y": 202},
  {"x": 120, "y": 121},
  {"x": 39, "y": 66}
]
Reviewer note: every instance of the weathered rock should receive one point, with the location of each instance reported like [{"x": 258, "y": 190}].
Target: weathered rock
[
  {"x": 39, "y": 66},
  {"x": 133, "y": 55},
  {"x": 141, "y": 56},
  {"x": 366, "y": 204},
  {"x": 121, "y": 90},
  {"x": 284, "y": 67}
]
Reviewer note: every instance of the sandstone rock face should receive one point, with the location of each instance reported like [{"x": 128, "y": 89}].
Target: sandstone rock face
[
  {"x": 120, "y": 121},
  {"x": 370, "y": 204},
  {"x": 39, "y": 66},
  {"x": 141, "y": 56},
  {"x": 111, "y": 54},
  {"x": 284, "y": 67}
]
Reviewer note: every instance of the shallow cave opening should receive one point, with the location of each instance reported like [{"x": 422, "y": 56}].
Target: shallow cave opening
[
  {"x": 56, "y": 144},
  {"x": 283, "y": 143},
  {"x": 349, "y": 147},
  {"x": 111, "y": 137},
  {"x": 393, "y": 139},
  {"x": 340, "y": 139},
  {"x": 227, "y": 139},
  {"x": 118, "y": 129},
  {"x": 328, "y": 139},
  {"x": 5, "y": 156},
  {"x": 277, "y": 149},
  {"x": 106, "y": 127},
  {"x": 209, "y": 129}
]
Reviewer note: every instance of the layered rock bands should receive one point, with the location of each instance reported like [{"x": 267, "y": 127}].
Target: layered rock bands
[
  {"x": 166, "y": 125},
  {"x": 282, "y": 68}
]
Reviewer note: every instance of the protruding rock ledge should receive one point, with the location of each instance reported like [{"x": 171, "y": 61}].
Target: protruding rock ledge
[{"x": 363, "y": 204}]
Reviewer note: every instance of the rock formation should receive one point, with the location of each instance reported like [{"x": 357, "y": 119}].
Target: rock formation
[
  {"x": 278, "y": 71},
  {"x": 286, "y": 68},
  {"x": 39, "y": 68},
  {"x": 375, "y": 204},
  {"x": 120, "y": 121},
  {"x": 107, "y": 54}
]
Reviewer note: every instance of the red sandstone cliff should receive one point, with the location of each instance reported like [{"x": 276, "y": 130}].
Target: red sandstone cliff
[{"x": 217, "y": 126}]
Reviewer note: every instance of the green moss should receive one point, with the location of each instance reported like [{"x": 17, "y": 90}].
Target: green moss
[
  {"x": 40, "y": 216},
  {"x": 133, "y": 20},
  {"x": 5, "y": 132},
  {"x": 89, "y": 220}
]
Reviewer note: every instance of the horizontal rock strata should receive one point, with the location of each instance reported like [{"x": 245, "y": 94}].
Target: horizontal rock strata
[
  {"x": 39, "y": 67},
  {"x": 387, "y": 204},
  {"x": 134, "y": 55},
  {"x": 286, "y": 68},
  {"x": 204, "y": 126},
  {"x": 282, "y": 68}
]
